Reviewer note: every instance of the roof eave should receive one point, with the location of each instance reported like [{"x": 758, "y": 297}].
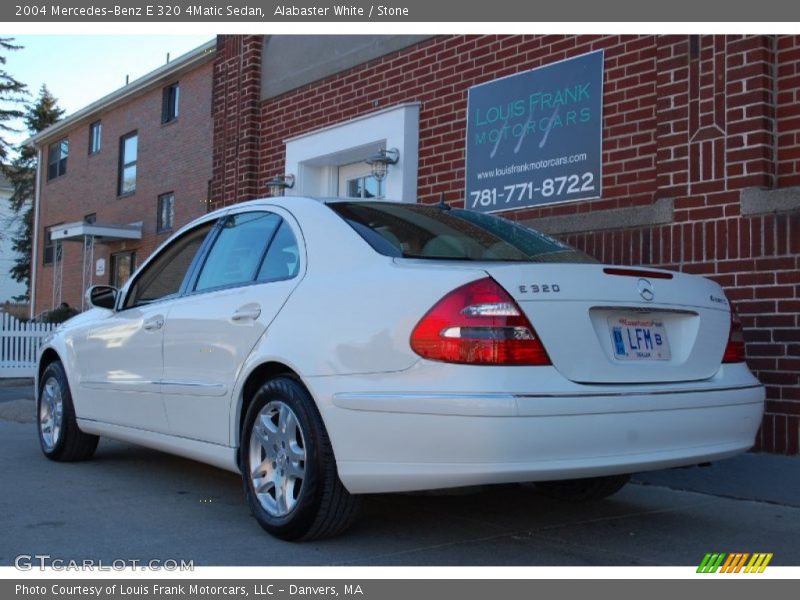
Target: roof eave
[{"x": 195, "y": 57}]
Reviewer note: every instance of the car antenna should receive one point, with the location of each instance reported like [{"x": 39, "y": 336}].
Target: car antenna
[{"x": 442, "y": 204}]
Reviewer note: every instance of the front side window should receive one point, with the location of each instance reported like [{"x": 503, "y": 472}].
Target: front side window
[
  {"x": 170, "y": 103},
  {"x": 166, "y": 212},
  {"x": 164, "y": 275},
  {"x": 95, "y": 137},
  {"x": 419, "y": 231},
  {"x": 128, "y": 154},
  {"x": 57, "y": 159},
  {"x": 238, "y": 250}
]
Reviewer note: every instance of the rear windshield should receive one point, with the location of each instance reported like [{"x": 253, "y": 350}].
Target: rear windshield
[{"x": 433, "y": 232}]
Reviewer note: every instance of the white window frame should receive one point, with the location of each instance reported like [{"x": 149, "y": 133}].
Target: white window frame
[{"x": 314, "y": 158}]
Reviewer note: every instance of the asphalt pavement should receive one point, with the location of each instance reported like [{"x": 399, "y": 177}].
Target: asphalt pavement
[
  {"x": 134, "y": 503},
  {"x": 16, "y": 389}
]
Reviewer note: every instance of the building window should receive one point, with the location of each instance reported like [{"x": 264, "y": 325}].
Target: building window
[
  {"x": 57, "y": 159},
  {"x": 364, "y": 187},
  {"x": 166, "y": 212},
  {"x": 49, "y": 246},
  {"x": 128, "y": 151},
  {"x": 356, "y": 181},
  {"x": 122, "y": 265},
  {"x": 169, "y": 103},
  {"x": 95, "y": 137}
]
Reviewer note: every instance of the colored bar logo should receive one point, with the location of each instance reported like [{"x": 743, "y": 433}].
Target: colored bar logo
[{"x": 736, "y": 562}]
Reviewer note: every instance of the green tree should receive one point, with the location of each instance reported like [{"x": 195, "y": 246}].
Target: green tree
[
  {"x": 12, "y": 95},
  {"x": 22, "y": 175}
]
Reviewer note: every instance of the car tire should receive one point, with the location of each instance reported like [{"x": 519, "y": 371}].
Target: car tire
[
  {"x": 288, "y": 468},
  {"x": 59, "y": 435},
  {"x": 582, "y": 490}
]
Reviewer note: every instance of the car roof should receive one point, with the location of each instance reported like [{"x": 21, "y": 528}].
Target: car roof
[{"x": 288, "y": 201}]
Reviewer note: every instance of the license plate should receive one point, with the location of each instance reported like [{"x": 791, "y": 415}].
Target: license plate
[{"x": 638, "y": 339}]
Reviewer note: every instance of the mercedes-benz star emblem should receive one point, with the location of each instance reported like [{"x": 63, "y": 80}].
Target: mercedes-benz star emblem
[{"x": 646, "y": 290}]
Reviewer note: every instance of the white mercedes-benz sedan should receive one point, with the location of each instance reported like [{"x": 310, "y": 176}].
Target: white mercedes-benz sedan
[{"x": 328, "y": 349}]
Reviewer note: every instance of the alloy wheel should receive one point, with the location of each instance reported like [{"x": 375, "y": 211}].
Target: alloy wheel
[
  {"x": 51, "y": 413},
  {"x": 277, "y": 458}
]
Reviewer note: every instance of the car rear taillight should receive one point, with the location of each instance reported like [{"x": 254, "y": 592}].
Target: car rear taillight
[
  {"x": 478, "y": 324},
  {"x": 734, "y": 351}
]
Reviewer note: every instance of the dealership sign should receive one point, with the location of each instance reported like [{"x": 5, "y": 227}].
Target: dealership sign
[{"x": 536, "y": 137}]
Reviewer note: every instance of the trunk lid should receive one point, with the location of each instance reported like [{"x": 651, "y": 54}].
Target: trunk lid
[{"x": 603, "y": 324}]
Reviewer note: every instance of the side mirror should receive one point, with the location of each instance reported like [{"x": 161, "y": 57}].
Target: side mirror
[{"x": 102, "y": 296}]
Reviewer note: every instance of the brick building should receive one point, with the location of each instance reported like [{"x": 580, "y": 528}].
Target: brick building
[
  {"x": 117, "y": 177},
  {"x": 700, "y": 153}
]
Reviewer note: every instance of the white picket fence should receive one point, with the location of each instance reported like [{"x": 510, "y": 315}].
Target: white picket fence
[{"x": 19, "y": 345}]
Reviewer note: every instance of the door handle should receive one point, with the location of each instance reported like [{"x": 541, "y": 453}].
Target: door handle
[
  {"x": 154, "y": 324},
  {"x": 248, "y": 312}
]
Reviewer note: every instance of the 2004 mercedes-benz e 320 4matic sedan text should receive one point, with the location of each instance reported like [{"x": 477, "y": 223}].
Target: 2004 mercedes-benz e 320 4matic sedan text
[{"x": 327, "y": 349}]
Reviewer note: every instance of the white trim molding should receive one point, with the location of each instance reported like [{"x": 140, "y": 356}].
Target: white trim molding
[{"x": 315, "y": 157}]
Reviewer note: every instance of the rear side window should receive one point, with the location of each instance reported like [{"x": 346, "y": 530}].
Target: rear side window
[
  {"x": 431, "y": 232},
  {"x": 282, "y": 260},
  {"x": 237, "y": 253}
]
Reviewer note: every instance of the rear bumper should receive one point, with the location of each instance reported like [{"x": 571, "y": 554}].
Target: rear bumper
[
  {"x": 542, "y": 404},
  {"x": 479, "y": 450},
  {"x": 389, "y": 442}
]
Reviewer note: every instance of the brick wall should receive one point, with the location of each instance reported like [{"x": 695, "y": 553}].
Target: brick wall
[
  {"x": 236, "y": 118},
  {"x": 789, "y": 109},
  {"x": 689, "y": 120},
  {"x": 175, "y": 157}
]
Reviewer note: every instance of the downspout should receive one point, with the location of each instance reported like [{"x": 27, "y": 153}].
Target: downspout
[{"x": 35, "y": 249}]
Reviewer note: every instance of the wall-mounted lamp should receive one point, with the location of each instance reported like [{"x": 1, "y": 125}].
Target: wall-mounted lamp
[
  {"x": 380, "y": 162},
  {"x": 278, "y": 184}
]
